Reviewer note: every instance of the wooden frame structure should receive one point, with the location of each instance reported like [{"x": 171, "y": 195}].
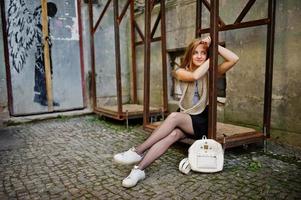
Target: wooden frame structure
[
  {"x": 126, "y": 111},
  {"x": 231, "y": 135},
  {"x": 149, "y": 37}
]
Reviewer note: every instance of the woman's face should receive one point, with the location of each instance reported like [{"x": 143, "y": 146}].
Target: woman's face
[{"x": 199, "y": 55}]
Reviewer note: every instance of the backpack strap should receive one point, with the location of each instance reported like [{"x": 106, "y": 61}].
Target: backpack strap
[{"x": 184, "y": 166}]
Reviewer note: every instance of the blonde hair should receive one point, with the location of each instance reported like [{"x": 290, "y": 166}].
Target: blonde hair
[{"x": 187, "y": 59}]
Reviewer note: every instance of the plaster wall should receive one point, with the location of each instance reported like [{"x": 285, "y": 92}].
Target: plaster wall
[
  {"x": 105, "y": 60},
  {"x": 245, "y": 89},
  {"x": 245, "y": 82},
  {"x": 156, "y": 90}
]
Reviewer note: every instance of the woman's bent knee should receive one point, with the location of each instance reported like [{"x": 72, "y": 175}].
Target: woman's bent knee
[
  {"x": 176, "y": 135},
  {"x": 174, "y": 116}
]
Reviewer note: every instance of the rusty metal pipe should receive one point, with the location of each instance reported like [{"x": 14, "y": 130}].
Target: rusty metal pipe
[
  {"x": 269, "y": 68},
  {"x": 147, "y": 42},
  {"x": 133, "y": 47},
  {"x": 93, "y": 82},
  {"x": 213, "y": 69},
  {"x": 117, "y": 57},
  {"x": 163, "y": 49}
]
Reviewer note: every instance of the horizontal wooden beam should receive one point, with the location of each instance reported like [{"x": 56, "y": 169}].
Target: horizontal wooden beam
[
  {"x": 156, "y": 39},
  {"x": 239, "y": 26}
]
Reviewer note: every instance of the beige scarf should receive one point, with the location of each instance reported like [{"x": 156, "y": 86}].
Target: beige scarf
[{"x": 188, "y": 89}]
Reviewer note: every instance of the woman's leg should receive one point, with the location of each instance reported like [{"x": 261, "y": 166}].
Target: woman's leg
[
  {"x": 160, "y": 147},
  {"x": 174, "y": 120}
]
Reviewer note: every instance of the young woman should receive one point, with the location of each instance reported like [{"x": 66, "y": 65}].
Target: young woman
[{"x": 192, "y": 121}]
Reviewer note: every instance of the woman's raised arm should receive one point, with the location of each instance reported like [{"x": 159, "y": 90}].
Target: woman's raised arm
[
  {"x": 230, "y": 60},
  {"x": 184, "y": 75}
]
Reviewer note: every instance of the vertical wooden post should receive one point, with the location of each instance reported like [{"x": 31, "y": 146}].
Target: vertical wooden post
[
  {"x": 213, "y": 69},
  {"x": 117, "y": 57},
  {"x": 198, "y": 18},
  {"x": 269, "y": 69},
  {"x": 92, "y": 52},
  {"x": 147, "y": 47},
  {"x": 46, "y": 55},
  {"x": 133, "y": 46},
  {"x": 163, "y": 52}
]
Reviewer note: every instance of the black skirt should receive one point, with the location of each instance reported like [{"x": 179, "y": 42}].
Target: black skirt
[{"x": 200, "y": 124}]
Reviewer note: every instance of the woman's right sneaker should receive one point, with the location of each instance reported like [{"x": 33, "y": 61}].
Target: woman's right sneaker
[{"x": 128, "y": 157}]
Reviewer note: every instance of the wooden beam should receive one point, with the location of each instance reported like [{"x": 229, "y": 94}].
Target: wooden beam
[
  {"x": 213, "y": 70},
  {"x": 123, "y": 11},
  {"x": 139, "y": 31},
  {"x": 156, "y": 24},
  {"x": 101, "y": 15},
  {"x": 117, "y": 57},
  {"x": 198, "y": 19},
  {"x": 239, "y": 25},
  {"x": 156, "y": 39},
  {"x": 163, "y": 52},
  {"x": 207, "y": 5},
  {"x": 92, "y": 52},
  {"x": 147, "y": 48},
  {"x": 269, "y": 69},
  {"x": 133, "y": 54},
  {"x": 244, "y": 11},
  {"x": 46, "y": 55}
]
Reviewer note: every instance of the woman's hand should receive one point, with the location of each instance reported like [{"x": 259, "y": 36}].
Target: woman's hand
[{"x": 207, "y": 40}]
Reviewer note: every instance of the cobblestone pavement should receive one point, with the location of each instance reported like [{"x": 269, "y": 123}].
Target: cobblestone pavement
[{"x": 71, "y": 158}]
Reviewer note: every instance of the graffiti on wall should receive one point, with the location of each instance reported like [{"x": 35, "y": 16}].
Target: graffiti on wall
[
  {"x": 24, "y": 33},
  {"x": 26, "y": 42}
]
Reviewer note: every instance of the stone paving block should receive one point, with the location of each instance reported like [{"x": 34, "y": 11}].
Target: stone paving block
[{"x": 72, "y": 159}]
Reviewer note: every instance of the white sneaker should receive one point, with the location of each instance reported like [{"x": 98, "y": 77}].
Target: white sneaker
[
  {"x": 128, "y": 157},
  {"x": 135, "y": 176}
]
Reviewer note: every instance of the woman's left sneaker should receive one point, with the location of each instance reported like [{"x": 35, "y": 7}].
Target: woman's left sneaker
[{"x": 135, "y": 176}]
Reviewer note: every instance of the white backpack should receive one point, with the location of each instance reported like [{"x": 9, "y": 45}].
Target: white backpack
[{"x": 205, "y": 155}]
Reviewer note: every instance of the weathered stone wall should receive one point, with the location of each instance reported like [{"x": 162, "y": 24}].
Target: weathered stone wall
[
  {"x": 245, "y": 82},
  {"x": 105, "y": 62},
  {"x": 245, "y": 89}
]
